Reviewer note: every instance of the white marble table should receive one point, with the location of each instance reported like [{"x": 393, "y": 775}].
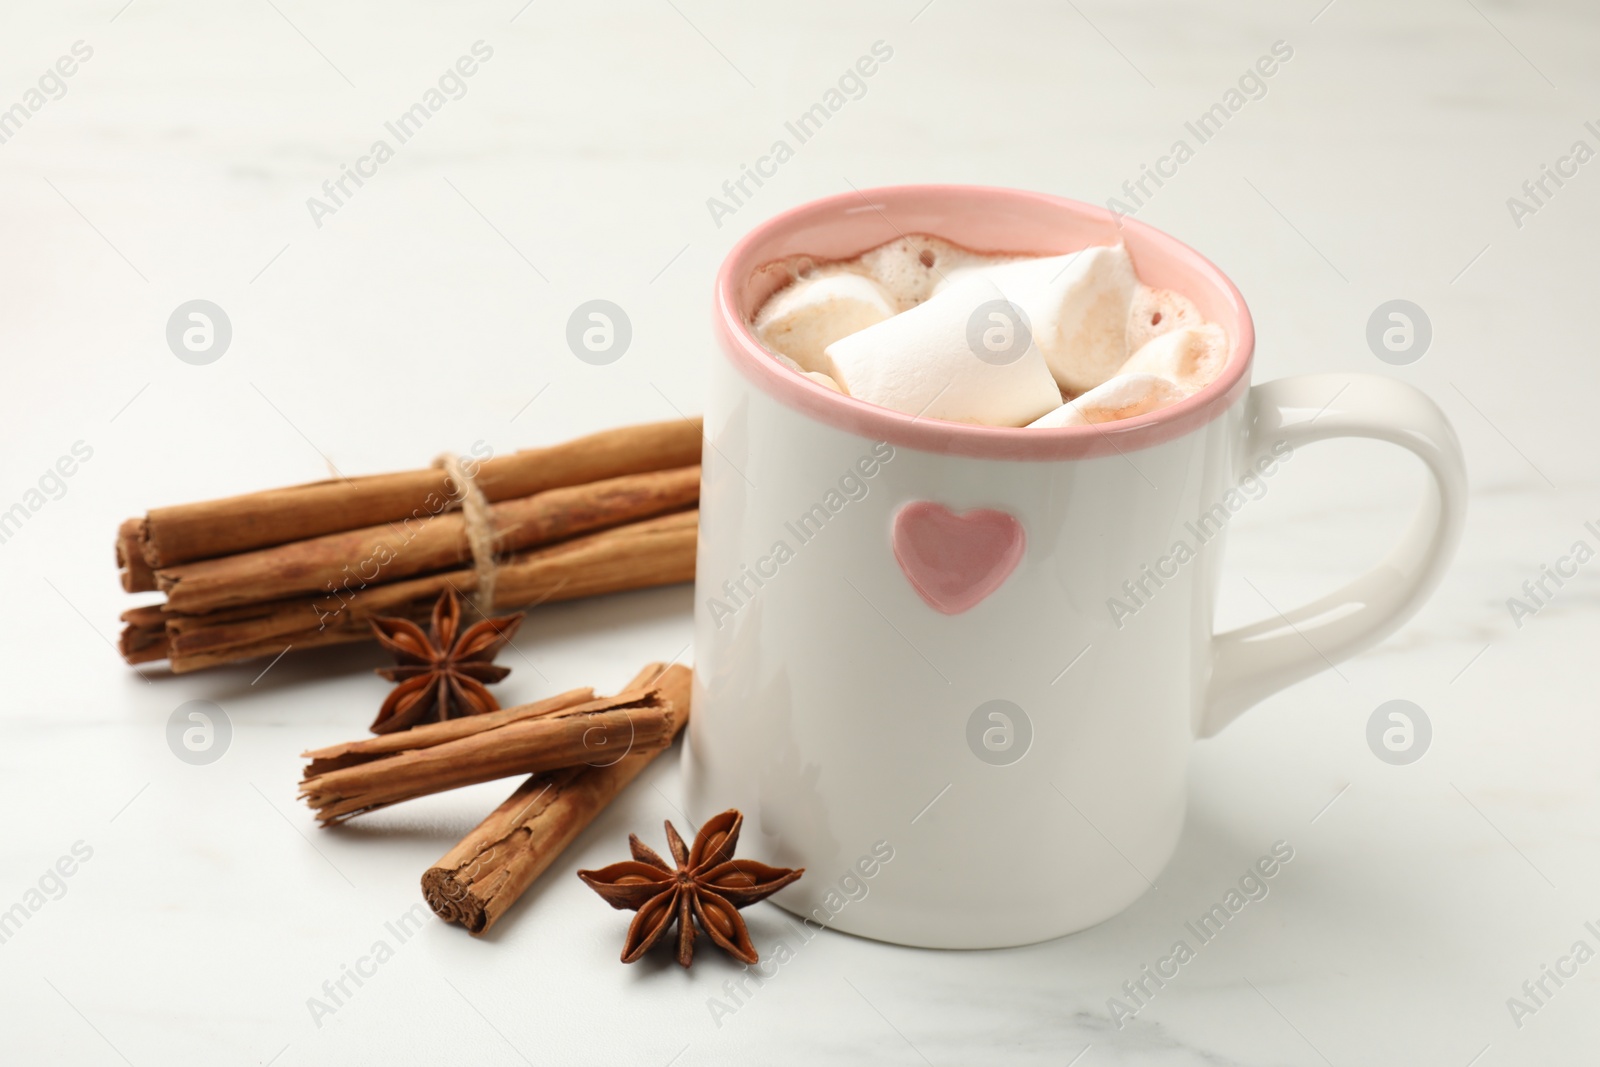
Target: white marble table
[{"x": 427, "y": 311}]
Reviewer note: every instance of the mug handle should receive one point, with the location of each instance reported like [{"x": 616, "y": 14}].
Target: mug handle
[{"x": 1252, "y": 662}]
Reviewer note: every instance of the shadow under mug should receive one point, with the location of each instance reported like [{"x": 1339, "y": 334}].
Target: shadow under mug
[{"x": 955, "y": 671}]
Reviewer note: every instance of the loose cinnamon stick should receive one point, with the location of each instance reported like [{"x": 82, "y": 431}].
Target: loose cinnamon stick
[
  {"x": 594, "y": 733},
  {"x": 389, "y": 552},
  {"x": 482, "y": 876},
  {"x": 190, "y": 532},
  {"x": 352, "y": 753},
  {"x": 659, "y": 551}
]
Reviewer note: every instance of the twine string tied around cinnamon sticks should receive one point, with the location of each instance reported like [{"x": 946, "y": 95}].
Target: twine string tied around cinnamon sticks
[{"x": 479, "y": 520}]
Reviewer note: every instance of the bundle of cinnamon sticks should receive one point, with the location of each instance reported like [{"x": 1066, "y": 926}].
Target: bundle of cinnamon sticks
[
  {"x": 579, "y": 750},
  {"x": 306, "y": 566}
]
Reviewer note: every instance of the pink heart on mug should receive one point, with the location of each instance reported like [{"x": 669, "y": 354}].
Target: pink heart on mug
[{"x": 955, "y": 561}]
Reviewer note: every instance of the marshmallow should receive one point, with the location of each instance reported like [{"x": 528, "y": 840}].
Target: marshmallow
[
  {"x": 1190, "y": 358},
  {"x": 912, "y": 268},
  {"x": 809, "y": 315},
  {"x": 1121, "y": 397},
  {"x": 971, "y": 267},
  {"x": 1158, "y": 311},
  {"x": 816, "y": 376},
  {"x": 922, "y": 363},
  {"x": 1077, "y": 306}
]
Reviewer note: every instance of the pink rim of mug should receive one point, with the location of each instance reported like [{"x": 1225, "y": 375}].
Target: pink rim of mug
[{"x": 984, "y": 219}]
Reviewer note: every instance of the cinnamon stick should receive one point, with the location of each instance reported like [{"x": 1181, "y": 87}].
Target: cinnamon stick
[
  {"x": 144, "y": 634},
  {"x": 482, "y": 876},
  {"x": 137, "y": 577},
  {"x": 352, "y": 753},
  {"x": 392, "y": 551},
  {"x": 659, "y": 551},
  {"x": 190, "y": 532},
  {"x": 595, "y": 733}
]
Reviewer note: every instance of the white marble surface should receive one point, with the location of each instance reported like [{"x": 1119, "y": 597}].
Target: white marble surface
[{"x": 429, "y": 312}]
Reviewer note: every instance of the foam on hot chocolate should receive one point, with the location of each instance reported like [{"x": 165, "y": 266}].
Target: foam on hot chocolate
[{"x": 1095, "y": 334}]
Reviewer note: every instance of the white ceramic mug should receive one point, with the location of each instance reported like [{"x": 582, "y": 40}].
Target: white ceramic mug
[{"x": 955, "y": 671}]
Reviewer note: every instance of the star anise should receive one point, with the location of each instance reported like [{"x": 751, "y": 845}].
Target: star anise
[
  {"x": 441, "y": 672},
  {"x": 708, "y": 886}
]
